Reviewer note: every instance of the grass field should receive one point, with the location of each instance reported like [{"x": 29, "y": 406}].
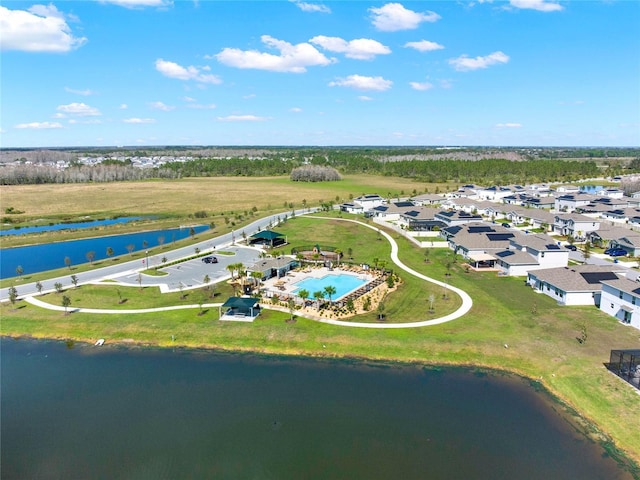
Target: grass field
[{"x": 541, "y": 336}]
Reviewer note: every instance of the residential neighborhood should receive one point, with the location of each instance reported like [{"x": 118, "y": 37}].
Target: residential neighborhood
[{"x": 574, "y": 246}]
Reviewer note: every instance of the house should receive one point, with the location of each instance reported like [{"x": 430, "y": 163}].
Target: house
[
  {"x": 493, "y": 193},
  {"x": 362, "y": 204},
  {"x": 427, "y": 199},
  {"x": 630, "y": 242},
  {"x": 240, "y": 309},
  {"x": 451, "y": 218},
  {"x": 606, "y": 235},
  {"x": 575, "y": 225},
  {"x": 392, "y": 211},
  {"x": 530, "y": 252},
  {"x": 621, "y": 299},
  {"x": 574, "y": 285},
  {"x": 420, "y": 219},
  {"x": 570, "y": 202}
]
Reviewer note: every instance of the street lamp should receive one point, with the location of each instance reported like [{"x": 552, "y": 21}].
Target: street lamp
[{"x": 147, "y": 256}]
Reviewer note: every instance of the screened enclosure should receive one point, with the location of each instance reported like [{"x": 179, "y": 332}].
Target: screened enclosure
[{"x": 626, "y": 365}]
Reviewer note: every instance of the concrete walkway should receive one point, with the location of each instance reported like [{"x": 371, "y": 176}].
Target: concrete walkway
[{"x": 467, "y": 302}]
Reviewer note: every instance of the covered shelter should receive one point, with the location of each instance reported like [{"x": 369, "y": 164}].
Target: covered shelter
[
  {"x": 626, "y": 365},
  {"x": 267, "y": 237},
  {"x": 240, "y": 309},
  {"x": 482, "y": 260}
]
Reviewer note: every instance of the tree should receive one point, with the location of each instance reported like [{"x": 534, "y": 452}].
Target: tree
[
  {"x": 39, "y": 287},
  {"x": 380, "y": 309},
  {"x": 66, "y": 301},
  {"x": 197, "y": 250},
  {"x": 19, "y": 271},
  {"x": 67, "y": 262},
  {"x": 161, "y": 240},
  {"x": 58, "y": 287},
  {"x": 330, "y": 290},
  {"x": 318, "y": 296},
  {"x": 432, "y": 299},
  {"x": 145, "y": 244},
  {"x": 109, "y": 252},
  {"x": 291, "y": 305},
  {"x": 303, "y": 294},
  {"x": 192, "y": 232},
  {"x": 130, "y": 248},
  {"x": 90, "y": 256},
  {"x": 74, "y": 280},
  {"x": 13, "y": 295},
  {"x": 206, "y": 280},
  {"x": 586, "y": 250},
  {"x": 258, "y": 278},
  {"x": 140, "y": 280}
]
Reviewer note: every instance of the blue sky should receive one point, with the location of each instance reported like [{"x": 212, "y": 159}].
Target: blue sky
[{"x": 215, "y": 72}]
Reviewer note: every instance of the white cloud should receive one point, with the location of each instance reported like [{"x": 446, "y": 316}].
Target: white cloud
[
  {"x": 312, "y": 7},
  {"x": 38, "y": 125},
  {"x": 188, "y": 99},
  {"x": 446, "y": 84},
  {"x": 424, "y": 46},
  {"x": 295, "y": 109},
  {"x": 360, "y": 82},
  {"x": 173, "y": 70},
  {"x": 250, "y": 96},
  {"x": 465, "y": 63},
  {"x": 161, "y": 106},
  {"x": 123, "y": 106},
  {"x": 242, "y": 118},
  {"x": 364, "y": 98},
  {"x": 539, "y": 5},
  {"x": 139, "y": 3},
  {"x": 39, "y": 29},
  {"x": 92, "y": 121},
  {"x": 139, "y": 120},
  {"x": 393, "y": 17},
  {"x": 422, "y": 86},
  {"x": 292, "y": 58},
  {"x": 359, "y": 49},
  {"x": 79, "y": 109},
  {"x": 199, "y": 106},
  {"x": 84, "y": 93},
  {"x": 508, "y": 125}
]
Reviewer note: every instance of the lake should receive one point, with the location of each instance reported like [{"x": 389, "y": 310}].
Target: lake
[
  {"x": 49, "y": 256},
  {"x": 108, "y": 412},
  {"x": 68, "y": 226}
]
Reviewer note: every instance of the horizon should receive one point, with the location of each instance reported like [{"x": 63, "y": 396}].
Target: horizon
[{"x": 296, "y": 74}]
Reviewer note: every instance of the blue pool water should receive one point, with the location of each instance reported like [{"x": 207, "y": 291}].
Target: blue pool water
[{"x": 342, "y": 282}]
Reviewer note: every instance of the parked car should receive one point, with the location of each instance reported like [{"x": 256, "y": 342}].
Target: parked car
[
  {"x": 209, "y": 259},
  {"x": 616, "y": 252},
  {"x": 506, "y": 225},
  {"x": 573, "y": 248}
]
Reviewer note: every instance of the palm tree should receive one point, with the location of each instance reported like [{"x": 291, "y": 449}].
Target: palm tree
[
  {"x": 304, "y": 294},
  {"x": 330, "y": 290},
  {"x": 232, "y": 268},
  {"x": 318, "y": 296},
  {"x": 258, "y": 277}
]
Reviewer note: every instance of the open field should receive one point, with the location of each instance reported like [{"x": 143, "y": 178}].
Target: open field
[{"x": 541, "y": 337}]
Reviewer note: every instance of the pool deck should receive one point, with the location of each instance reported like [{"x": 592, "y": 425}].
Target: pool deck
[{"x": 284, "y": 286}]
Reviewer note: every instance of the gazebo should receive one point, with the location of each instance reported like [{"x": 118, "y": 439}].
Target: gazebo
[
  {"x": 240, "y": 309},
  {"x": 267, "y": 237}
]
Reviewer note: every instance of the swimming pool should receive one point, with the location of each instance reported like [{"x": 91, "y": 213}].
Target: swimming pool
[{"x": 342, "y": 282}]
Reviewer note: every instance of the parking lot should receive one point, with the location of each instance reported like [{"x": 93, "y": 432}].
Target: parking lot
[{"x": 191, "y": 273}]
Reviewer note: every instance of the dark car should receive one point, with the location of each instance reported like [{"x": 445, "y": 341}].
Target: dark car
[
  {"x": 506, "y": 225},
  {"x": 616, "y": 252},
  {"x": 573, "y": 248},
  {"x": 209, "y": 259}
]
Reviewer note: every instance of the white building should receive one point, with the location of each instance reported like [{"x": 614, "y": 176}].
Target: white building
[{"x": 621, "y": 299}]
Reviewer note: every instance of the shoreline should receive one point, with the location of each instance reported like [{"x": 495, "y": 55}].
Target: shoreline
[{"x": 628, "y": 460}]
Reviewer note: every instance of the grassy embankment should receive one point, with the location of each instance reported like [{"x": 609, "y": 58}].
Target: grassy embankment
[{"x": 541, "y": 336}]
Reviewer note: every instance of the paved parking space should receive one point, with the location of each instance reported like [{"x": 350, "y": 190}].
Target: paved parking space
[{"x": 191, "y": 273}]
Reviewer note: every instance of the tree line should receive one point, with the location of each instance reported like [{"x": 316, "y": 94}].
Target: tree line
[{"x": 376, "y": 161}]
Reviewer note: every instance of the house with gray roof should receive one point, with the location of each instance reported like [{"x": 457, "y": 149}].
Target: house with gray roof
[
  {"x": 427, "y": 199},
  {"x": 620, "y": 298},
  {"x": 575, "y": 225},
  {"x": 456, "y": 217},
  {"x": 574, "y": 285},
  {"x": 570, "y": 202}
]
